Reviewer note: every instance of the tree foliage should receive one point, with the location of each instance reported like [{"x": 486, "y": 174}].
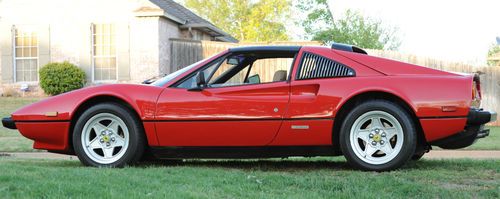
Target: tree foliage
[
  {"x": 494, "y": 52},
  {"x": 247, "y": 20},
  {"x": 351, "y": 28}
]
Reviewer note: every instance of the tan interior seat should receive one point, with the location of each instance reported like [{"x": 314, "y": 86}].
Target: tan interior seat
[{"x": 279, "y": 76}]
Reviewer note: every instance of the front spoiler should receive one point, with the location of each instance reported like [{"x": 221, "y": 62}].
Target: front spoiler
[
  {"x": 473, "y": 130},
  {"x": 9, "y": 123}
]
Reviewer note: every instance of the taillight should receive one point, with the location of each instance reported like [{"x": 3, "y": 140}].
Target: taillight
[
  {"x": 476, "y": 92},
  {"x": 477, "y": 86}
]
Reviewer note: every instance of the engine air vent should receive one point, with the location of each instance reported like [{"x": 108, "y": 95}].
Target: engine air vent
[{"x": 316, "y": 66}]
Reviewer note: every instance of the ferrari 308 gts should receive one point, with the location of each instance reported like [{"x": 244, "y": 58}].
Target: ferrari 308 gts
[{"x": 264, "y": 102}]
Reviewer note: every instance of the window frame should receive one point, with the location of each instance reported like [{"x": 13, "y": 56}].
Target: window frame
[
  {"x": 93, "y": 57},
  {"x": 15, "y": 58},
  {"x": 223, "y": 57},
  {"x": 195, "y": 72}
]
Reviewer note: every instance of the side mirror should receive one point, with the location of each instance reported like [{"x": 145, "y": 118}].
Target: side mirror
[
  {"x": 200, "y": 82},
  {"x": 200, "y": 79}
]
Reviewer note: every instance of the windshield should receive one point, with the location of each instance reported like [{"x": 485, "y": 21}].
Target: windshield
[{"x": 162, "y": 81}]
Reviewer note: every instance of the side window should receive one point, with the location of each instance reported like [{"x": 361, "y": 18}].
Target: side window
[
  {"x": 270, "y": 70},
  {"x": 244, "y": 69},
  {"x": 191, "y": 82},
  {"x": 315, "y": 66}
]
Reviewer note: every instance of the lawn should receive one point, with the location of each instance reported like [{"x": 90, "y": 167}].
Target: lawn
[
  {"x": 293, "y": 178},
  {"x": 492, "y": 142},
  {"x": 12, "y": 141}
]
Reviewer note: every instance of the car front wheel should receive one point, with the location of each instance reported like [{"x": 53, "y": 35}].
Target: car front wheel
[
  {"x": 108, "y": 135},
  {"x": 378, "y": 135}
]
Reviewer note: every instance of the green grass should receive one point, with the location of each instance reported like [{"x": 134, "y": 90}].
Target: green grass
[
  {"x": 295, "y": 178},
  {"x": 492, "y": 142},
  {"x": 12, "y": 141}
]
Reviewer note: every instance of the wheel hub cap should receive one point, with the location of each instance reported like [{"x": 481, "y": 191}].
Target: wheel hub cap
[
  {"x": 105, "y": 138},
  {"x": 376, "y": 137}
]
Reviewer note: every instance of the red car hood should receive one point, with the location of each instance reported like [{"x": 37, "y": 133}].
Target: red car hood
[{"x": 141, "y": 97}]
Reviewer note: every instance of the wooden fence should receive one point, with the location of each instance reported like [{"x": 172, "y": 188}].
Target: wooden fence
[
  {"x": 185, "y": 52},
  {"x": 490, "y": 75}
]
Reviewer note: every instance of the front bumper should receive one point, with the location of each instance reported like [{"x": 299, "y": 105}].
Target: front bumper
[
  {"x": 9, "y": 123},
  {"x": 473, "y": 130}
]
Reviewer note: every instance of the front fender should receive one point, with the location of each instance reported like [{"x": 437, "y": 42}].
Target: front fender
[{"x": 142, "y": 98}]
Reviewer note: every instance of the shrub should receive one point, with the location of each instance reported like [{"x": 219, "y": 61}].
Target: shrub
[{"x": 57, "y": 78}]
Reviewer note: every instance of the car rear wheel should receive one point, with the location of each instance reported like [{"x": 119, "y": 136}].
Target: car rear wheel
[
  {"x": 417, "y": 156},
  {"x": 108, "y": 135},
  {"x": 378, "y": 135}
]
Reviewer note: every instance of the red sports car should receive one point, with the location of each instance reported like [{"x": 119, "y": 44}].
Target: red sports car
[{"x": 263, "y": 102}]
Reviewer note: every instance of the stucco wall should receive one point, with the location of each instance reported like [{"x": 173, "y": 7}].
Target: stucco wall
[
  {"x": 67, "y": 24},
  {"x": 167, "y": 30},
  {"x": 144, "y": 50},
  {"x": 142, "y": 42},
  {"x": 195, "y": 35}
]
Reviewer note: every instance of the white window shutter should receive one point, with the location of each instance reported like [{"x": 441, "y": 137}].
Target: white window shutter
[
  {"x": 43, "y": 45},
  {"x": 85, "y": 58},
  {"x": 123, "y": 51},
  {"x": 7, "y": 56}
]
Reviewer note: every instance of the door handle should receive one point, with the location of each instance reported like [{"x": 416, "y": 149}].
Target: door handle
[{"x": 305, "y": 89}]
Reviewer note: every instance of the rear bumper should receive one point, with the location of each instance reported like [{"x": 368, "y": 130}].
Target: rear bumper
[
  {"x": 480, "y": 117},
  {"x": 9, "y": 123},
  {"x": 473, "y": 130}
]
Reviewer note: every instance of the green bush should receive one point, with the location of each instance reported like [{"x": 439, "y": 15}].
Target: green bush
[{"x": 57, "y": 78}]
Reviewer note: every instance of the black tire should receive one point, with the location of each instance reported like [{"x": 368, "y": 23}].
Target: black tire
[
  {"x": 404, "y": 119},
  {"x": 417, "y": 156},
  {"x": 136, "y": 144}
]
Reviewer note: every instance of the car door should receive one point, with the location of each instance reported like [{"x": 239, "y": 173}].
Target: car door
[
  {"x": 247, "y": 113},
  {"x": 315, "y": 92}
]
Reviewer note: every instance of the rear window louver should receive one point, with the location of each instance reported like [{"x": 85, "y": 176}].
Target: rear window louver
[{"x": 316, "y": 66}]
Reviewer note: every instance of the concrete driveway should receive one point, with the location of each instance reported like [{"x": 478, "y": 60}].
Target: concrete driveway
[{"x": 434, "y": 154}]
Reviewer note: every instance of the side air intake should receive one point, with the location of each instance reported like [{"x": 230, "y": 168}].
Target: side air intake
[{"x": 348, "y": 48}]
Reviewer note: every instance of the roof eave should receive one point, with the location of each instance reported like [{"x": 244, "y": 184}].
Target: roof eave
[
  {"x": 161, "y": 13},
  {"x": 220, "y": 34},
  {"x": 227, "y": 39}
]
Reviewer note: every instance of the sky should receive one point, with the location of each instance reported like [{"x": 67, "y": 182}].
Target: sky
[{"x": 460, "y": 30}]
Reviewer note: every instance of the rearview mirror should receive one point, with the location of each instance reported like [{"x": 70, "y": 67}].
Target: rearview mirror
[{"x": 233, "y": 61}]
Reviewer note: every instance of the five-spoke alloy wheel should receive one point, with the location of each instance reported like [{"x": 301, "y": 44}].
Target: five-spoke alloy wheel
[
  {"x": 108, "y": 135},
  {"x": 378, "y": 135}
]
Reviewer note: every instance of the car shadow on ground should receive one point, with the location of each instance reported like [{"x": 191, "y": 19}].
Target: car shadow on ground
[
  {"x": 292, "y": 164},
  {"x": 252, "y": 164},
  {"x": 312, "y": 164}
]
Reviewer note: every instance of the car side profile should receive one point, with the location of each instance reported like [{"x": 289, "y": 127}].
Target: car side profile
[{"x": 264, "y": 102}]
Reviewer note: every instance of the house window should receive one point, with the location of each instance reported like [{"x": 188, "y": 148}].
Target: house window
[
  {"x": 103, "y": 52},
  {"x": 25, "y": 54}
]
